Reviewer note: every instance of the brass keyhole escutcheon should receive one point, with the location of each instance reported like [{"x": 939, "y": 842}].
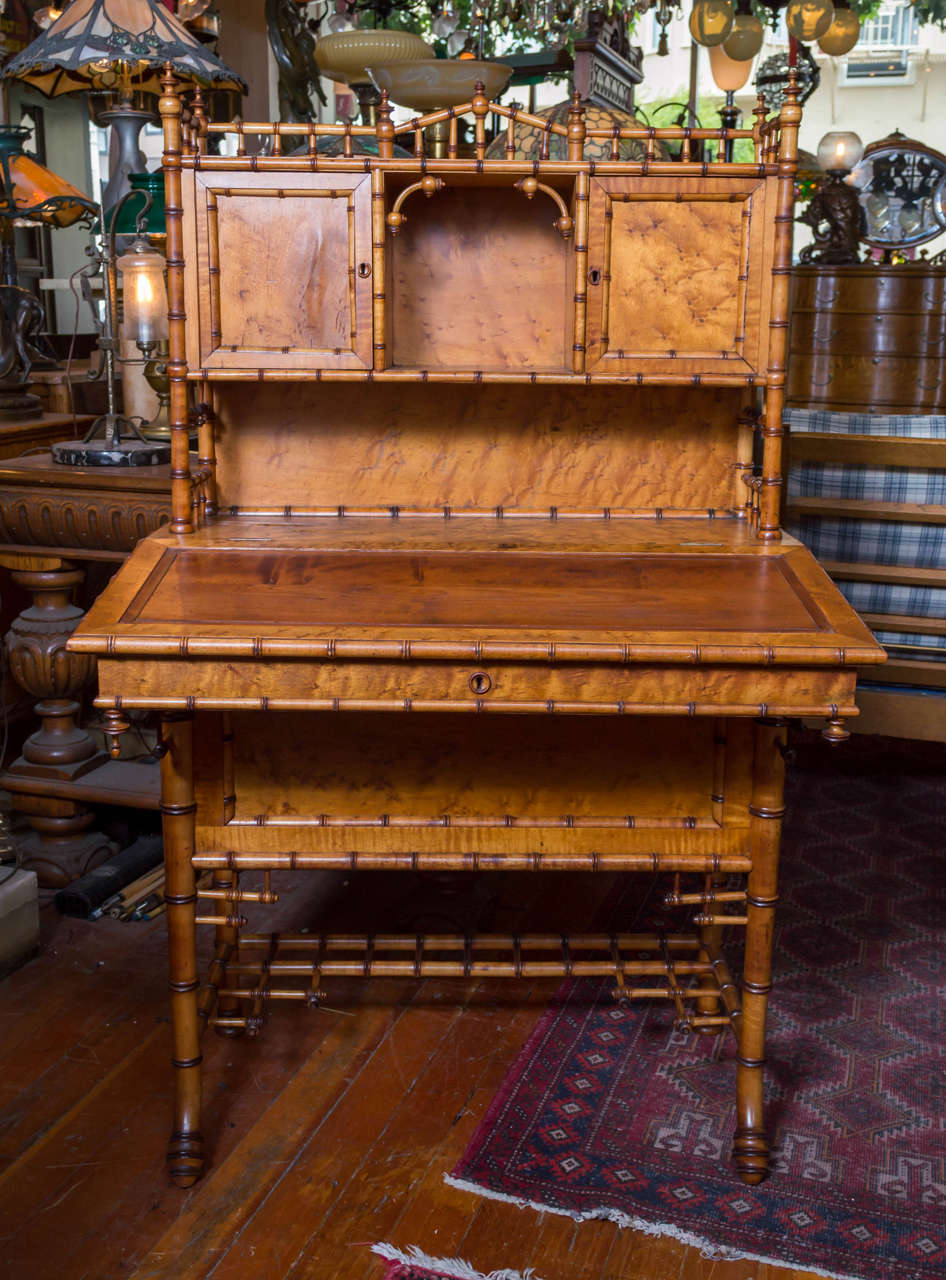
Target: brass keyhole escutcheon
[
  {"x": 364, "y": 270},
  {"x": 480, "y": 682},
  {"x": 594, "y": 275}
]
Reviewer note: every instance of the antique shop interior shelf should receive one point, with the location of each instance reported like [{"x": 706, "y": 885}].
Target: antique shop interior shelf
[{"x": 485, "y": 569}]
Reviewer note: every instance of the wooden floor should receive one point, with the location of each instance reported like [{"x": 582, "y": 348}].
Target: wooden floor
[{"x": 328, "y": 1133}]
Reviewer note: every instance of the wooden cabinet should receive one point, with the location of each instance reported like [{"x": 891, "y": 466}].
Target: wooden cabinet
[
  {"x": 678, "y": 276},
  {"x": 488, "y": 604},
  {"x": 283, "y": 277},
  {"x": 868, "y": 339}
]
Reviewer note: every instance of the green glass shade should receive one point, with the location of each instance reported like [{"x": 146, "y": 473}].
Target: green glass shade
[{"x": 155, "y": 222}]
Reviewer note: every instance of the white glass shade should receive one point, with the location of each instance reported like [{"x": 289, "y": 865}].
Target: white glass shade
[
  {"x": 839, "y": 150},
  {"x": 144, "y": 297},
  {"x": 842, "y": 35},
  {"x": 730, "y": 74},
  {"x": 745, "y": 40},
  {"x": 808, "y": 20},
  {"x": 711, "y": 21}
]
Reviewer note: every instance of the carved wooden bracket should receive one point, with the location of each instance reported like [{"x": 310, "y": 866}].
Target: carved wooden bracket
[
  {"x": 430, "y": 186},
  {"x": 565, "y": 224}
]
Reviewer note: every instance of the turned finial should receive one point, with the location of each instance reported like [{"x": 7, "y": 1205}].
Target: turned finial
[
  {"x": 576, "y": 127},
  {"x": 384, "y": 129}
]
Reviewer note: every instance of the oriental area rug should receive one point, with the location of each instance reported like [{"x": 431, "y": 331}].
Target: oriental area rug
[{"x": 610, "y": 1112}]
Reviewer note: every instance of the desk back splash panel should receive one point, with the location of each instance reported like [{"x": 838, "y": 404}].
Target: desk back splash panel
[{"x": 312, "y": 445}]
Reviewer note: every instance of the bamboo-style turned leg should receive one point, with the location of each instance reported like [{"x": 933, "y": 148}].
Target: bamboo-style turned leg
[
  {"x": 750, "y": 1145},
  {"x": 185, "y": 1152}
]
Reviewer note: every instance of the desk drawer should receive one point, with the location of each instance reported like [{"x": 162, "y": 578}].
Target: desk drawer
[{"x": 596, "y": 689}]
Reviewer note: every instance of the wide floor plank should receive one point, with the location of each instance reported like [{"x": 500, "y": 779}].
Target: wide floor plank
[{"x": 328, "y": 1133}]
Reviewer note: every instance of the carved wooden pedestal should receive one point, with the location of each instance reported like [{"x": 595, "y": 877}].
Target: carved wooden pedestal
[
  {"x": 93, "y": 515},
  {"x": 61, "y": 846}
]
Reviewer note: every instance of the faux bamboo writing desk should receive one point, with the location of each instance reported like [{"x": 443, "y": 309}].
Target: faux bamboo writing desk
[{"x": 484, "y": 570}]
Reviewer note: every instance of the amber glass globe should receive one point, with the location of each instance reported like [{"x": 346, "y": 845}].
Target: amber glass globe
[
  {"x": 841, "y": 36},
  {"x": 808, "y": 20},
  {"x": 711, "y": 21},
  {"x": 745, "y": 39}
]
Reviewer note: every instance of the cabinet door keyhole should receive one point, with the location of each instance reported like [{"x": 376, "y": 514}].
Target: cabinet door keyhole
[
  {"x": 480, "y": 682},
  {"x": 364, "y": 270},
  {"x": 594, "y": 275}
]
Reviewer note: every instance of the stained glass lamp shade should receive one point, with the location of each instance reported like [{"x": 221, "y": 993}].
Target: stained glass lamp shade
[{"x": 116, "y": 44}]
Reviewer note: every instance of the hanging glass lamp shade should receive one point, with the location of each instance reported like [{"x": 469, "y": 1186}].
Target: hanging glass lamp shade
[
  {"x": 745, "y": 40},
  {"x": 808, "y": 20},
  {"x": 842, "y": 35},
  {"x": 144, "y": 296},
  {"x": 729, "y": 74},
  {"x": 711, "y": 21},
  {"x": 124, "y": 44}
]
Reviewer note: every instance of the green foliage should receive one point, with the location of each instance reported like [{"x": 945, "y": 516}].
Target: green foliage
[
  {"x": 932, "y": 11},
  {"x": 663, "y": 112}
]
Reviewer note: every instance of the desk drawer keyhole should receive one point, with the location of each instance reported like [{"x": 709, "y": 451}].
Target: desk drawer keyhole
[{"x": 480, "y": 682}]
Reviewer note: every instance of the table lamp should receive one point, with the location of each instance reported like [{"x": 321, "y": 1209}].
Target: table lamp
[
  {"x": 835, "y": 214},
  {"x": 122, "y": 46},
  {"x": 729, "y": 74},
  {"x": 30, "y": 194}
]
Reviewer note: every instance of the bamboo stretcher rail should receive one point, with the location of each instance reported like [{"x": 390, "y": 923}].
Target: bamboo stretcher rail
[
  {"x": 289, "y": 512},
  {"x": 474, "y": 377},
  {"x": 396, "y": 820},
  {"x": 408, "y": 968},
  {"x": 301, "y": 163},
  {"x": 304, "y": 860},
  {"x": 641, "y": 133},
  {"x": 646, "y": 941}
]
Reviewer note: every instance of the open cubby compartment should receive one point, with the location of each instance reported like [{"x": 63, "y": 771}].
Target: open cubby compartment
[
  {"x": 478, "y": 277},
  {"x": 354, "y": 781}
]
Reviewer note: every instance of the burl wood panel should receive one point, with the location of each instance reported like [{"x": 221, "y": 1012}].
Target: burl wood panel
[
  {"x": 323, "y": 591},
  {"x": 277, "y": 280},
  {"x": 679, "y": 274},
  {"x": 363, "y": 766},
  {"x": 868, "y": 339},
  {"x": 480, "y": 447},
  {"x": 480, "y": 279}
]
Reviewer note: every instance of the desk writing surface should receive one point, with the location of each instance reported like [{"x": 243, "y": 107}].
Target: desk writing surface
[{"x": 564, "y": 581}]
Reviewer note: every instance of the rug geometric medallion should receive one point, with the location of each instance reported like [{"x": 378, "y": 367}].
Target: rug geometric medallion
[{"x": 611, "y": 1112}]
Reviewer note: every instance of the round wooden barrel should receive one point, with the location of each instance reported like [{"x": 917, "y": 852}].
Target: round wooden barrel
[{"x": 869, "y": 339}]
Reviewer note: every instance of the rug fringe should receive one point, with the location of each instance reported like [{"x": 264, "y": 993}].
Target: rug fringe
[
  {"x": 446, "y": 1266},
  {"x": 706, "y": 1247}
]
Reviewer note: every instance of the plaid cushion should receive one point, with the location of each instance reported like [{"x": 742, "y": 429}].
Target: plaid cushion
[
  {"x": 867, "y": 424},
  {"x": 867, "y": 484},
  {"x": 882, "y": 597},
  {"x": 919, "y": 546},
  {"x": 897, "y": 639}
]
